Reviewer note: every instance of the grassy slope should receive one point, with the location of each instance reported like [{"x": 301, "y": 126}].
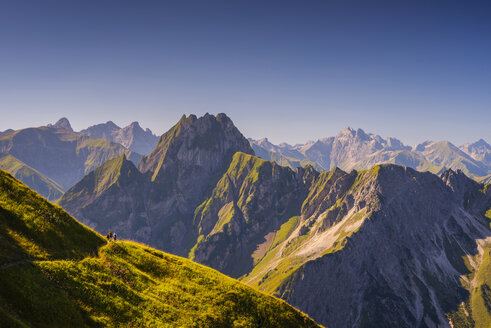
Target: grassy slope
[
  {"x": 96, "y": 182},
  {"x": 54, "y": 273},
  {"x": 476, "y": 311},
  {"x": 33, "y": 228},
  {"x": 31, "y": 177}
]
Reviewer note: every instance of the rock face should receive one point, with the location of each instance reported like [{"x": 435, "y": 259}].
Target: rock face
[
  {"x": 158, "y": 207},
  {"x": 355, "y": 149},
  {"x": 479, "y": 151},
  {"x": 251, "y": 200},
  {"x": 58, "y": 153},
  {"x": 62, "y": 123},
  {"x": 132, "y": 136},
  {"x": 382, "y": 248}
]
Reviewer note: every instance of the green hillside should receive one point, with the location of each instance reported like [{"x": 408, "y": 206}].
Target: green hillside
[
  {"x": 55, "y": 272},
  {"x": 476, "y": 310},
  {"x": 31, "y": 177}
]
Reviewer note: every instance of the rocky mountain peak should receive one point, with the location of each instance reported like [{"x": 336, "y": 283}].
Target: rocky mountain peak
[
  {"x": 481, "y": 143},
  {"x": 360, "y": 134},
  {"x": 191, "y": 156},
  {"x": 422, "y": 146},
  {"x": 111, "y": 125},
  {"x": 264, "y": 142},
  {"x": 348, "y": 132},
  {"x": 457, "y": 181},
  {"x": 476, "y": 148},
  {"x": 132, "y": 136},
  {"x": 62, "y": 123},
  {"x": 135, "y": 125}
]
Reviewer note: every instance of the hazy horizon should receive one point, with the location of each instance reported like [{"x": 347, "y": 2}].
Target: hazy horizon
[
  {"x": 289, "y": 71},
  {"x": 77, "y": 127}
]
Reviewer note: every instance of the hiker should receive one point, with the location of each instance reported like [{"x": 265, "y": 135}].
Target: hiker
[
  {"x": 109, "y": 236},
  {"x": 115, "y": 236}
]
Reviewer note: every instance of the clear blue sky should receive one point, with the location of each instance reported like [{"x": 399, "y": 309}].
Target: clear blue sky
[{"x": 288, "y": 70}]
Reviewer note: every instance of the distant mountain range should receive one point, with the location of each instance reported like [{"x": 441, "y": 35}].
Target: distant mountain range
[
  {"x": 132, "y": 136},
  {"x": 355, "y": 149},
  {"x": 386, "y": 246},
  {"x": 53, "y": 158}
]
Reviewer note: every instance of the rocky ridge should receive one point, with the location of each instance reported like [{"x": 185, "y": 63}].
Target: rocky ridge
[{"x": 133, "y": 136}]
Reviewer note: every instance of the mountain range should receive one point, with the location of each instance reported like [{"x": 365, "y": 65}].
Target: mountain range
[
  {"x": 56, "y": 272},
  {"x": 132, "y": 136},
  {"x": 384, "y": 246},
  {"x": 354, "y": 149},
  {"x": 157, "y": 200},
  {"x": 53, "y": 158}
]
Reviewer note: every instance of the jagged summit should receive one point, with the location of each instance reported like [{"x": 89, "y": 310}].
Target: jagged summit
[
  {"x": 62, "y": 123},
  {"x": 356, "y": 149},
  {"x": 132, "y": 136},
  {"x": 457, "y": 181},
  {"x": 102, "y": 130},
  {"x": 347, "y": 130},
  {"x": 479, "y": 151},
  {"x": 481, "y": 143},
  {"x": 194, "y": 139}
]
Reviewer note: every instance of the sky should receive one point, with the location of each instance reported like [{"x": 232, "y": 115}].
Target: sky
[{"x": 291, "y": 71}]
